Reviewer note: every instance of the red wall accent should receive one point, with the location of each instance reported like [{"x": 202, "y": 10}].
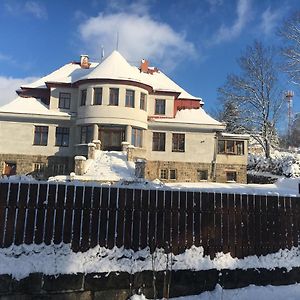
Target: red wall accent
[{"x": 184, "y": 103}]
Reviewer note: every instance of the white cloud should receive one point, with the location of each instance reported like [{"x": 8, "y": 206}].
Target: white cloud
[
  {"x": 269, "y": 20},
  {"x": 34, "y": 8},
  {"x": 139, "y": 37},
  {"x": 227, "y": 33},
  {"x": 9, "y": 85}
]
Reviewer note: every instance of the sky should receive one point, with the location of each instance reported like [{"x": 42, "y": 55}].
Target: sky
[{"x": 195, "y": 42}]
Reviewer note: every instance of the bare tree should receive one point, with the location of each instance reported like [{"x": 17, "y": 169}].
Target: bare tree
[
  {"x": 255, "y": 95},
  {"x": 290, "y": 31}
]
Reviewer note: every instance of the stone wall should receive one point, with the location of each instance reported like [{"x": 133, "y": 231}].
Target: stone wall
[
  {"x": 25, "y": 164},
  {"x": 241, "y": 172},
  {"x": 186, "y": 171},
  {"x": 121, "y": 285}
]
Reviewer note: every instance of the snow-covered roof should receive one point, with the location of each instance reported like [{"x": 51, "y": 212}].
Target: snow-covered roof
[
  {"x": 235, "y": 136},
  {"x": 115, "y": 67},
  {"x": 29, "y": 106},
  {"x": 191, "y": 116}
]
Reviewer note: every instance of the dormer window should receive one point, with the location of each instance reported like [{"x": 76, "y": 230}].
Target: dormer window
[
  {"x": 160, "y": 106},
  {"x": 64, "y": 100}
]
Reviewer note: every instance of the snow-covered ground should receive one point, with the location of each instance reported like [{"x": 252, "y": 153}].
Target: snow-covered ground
[
  {"x": 20, "y": 261},
  {"x": 288, "y": 292}
]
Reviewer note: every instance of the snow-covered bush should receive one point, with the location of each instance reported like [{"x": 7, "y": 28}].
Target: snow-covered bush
[{"x": 280, "y": 163}]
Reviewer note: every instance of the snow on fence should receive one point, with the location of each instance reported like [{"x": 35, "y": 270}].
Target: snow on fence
[{"x": 86, "y": 216}]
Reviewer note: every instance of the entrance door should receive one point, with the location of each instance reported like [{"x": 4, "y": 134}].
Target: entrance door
[
  {"x": 10, "y": 168},
  {"x": 111, "y": 138}
]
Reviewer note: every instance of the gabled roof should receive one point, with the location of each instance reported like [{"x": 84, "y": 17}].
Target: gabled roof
[{"x": 115, "y": 67}]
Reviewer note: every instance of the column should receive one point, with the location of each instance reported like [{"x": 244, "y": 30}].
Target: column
[
  {"x": 95, "y": 132},
  {"x": 128, "y": 133}
]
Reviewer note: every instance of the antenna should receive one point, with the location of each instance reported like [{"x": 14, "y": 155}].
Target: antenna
[
  {"x": 289, "y": 98},
  {"x": 117, "y": 46}
]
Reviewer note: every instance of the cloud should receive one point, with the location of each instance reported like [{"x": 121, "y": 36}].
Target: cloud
[
  {"x": 139, "y": 37},
  {"x": 269, "y": 20},
  {"x": 9, "y": 85},
  {"x": 228, "y": 33},
  {"x": 34, "y": 8}
]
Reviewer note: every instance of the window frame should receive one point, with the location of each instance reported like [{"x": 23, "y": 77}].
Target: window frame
[
  {"x": 64, "y": 100},
  {"x": 62, "y": 137},
  {"x": 159, "y": 143},
  {"x": 225, "y": 148},
  {"x": 178, "y": 145},
  {"x": 143, "y": 101},
  {"x": 202, "y": 171},
  {"x": 163, "y": 174},
  {"x": 137, "y": 137},
  {"x": 129, "y": 98},
  {"x": 83, "y": 95},
  {"x": 114, "y": 98},
  {"x": 171, "y": 173},
  {"x": 234, "y": 173},
  {"x": 160, "y": 107},
  {"x": 86, "y": 134},
  {"x": 39, "y": 167},
  {"x": 40, "y": 135},
  {"x": 96, "y": 100}
]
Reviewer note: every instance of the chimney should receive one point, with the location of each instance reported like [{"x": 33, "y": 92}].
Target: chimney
[
  {"x": 144, "y": 66},
  {"x": 84, "y": 61}
]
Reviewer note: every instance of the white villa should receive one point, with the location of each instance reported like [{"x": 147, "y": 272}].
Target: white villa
[{"x": 55, "y": 118}]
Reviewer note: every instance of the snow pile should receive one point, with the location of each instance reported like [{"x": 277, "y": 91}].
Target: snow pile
[
  {"x": 20, "y": 261},
  {"x": 110, "y": 166},
  {"x": 280, "y": 163},
  {"x": 289, "y": 292}
]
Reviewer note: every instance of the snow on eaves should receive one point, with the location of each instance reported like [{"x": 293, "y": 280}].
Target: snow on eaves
[
  {"x": 29, "y": 106},
  {"x": 191, "y": 116},
  {"x": 116, "y": 67}
]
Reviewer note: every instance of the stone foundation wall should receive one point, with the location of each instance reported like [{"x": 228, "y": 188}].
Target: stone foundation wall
[
  {"x": 188, "y": 171},
  {"x": 241, "y": 172},
  {"x": 25, "y": 164},
  {"x": 121, "y": 285},
  {"x": 185, "y": 171}
]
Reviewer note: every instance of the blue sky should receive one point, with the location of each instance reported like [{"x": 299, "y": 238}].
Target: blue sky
[{"x": 195, "y": 42}]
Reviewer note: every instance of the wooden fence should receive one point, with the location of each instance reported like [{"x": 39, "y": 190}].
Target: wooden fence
[{"x": 86, "y": 216}]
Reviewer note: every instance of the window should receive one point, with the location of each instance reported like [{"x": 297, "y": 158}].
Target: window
[
  {"x": 129, "y": 101},
  {"x": 58, "y": 169},
  {"x": 64, "y": 100},
  {"x": 159, "y": 141},
  {"x": 231, "y": 147},
  {"x": 83, "y": 98},
  {"x": 137, "y": 137},
  {"x": 39, "y": 167},
  {"x": 143, "y": 101},
  {"x": 231, "y": 176},
  {"x": 202, "y": 175},
  {"x": 160, "y": 106},
  {"x": 62, "y": 136},
  {"x": 86, "y": 134},
  {"x": 114, "y": 96},
  {"x": 172, "y": 174},
  {"x": 163, "y": 174},
  {"x": 178, "y": 141},
  {"x": 97, "y": 96},
  {"x": 40, "y": 135}
]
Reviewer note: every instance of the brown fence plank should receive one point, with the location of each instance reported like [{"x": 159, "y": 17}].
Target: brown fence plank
[
  {"x": 245, "y": 225},
  {"x": 238, "y": 226},
  {"x": 68, "y": 214},
  {"x": 289, "y": 222},
  {"x": 225, "y": 223},
  {"x": 136, "y": 220},
  {"x": 111, "y": 231},
  {"x": 95, "y": 215},
  {"x": 231, "y": 225},
  {"x": 182, "y": 221},
  {"x": 175, "y": 225},
  {"x": 76, "y": 230},
  {"x": 218, "y": 223},
  {"x": 128, "y": 219},
  {"x": 11, "y": 215},
  {"x": 160, "y": 219},
  {"x": 4, "y": 188},
  {"x": 197, "y": 219},
  {"x": 41, "y": 214},
  {"x": 86, "y": 219},
  {"x": 59, "y": 214},
  {"x": 281, "y": 223},
  {"x": 21, "y": 212},
  {"x": 121, "y": 218},
  {"x": 167, "y": 219},
  {"x": 152, "y": 220},
  {"x": 103, "y": 217},
  {"x": 145, "y": 219},
  {"x": 190, "y": 220}
]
